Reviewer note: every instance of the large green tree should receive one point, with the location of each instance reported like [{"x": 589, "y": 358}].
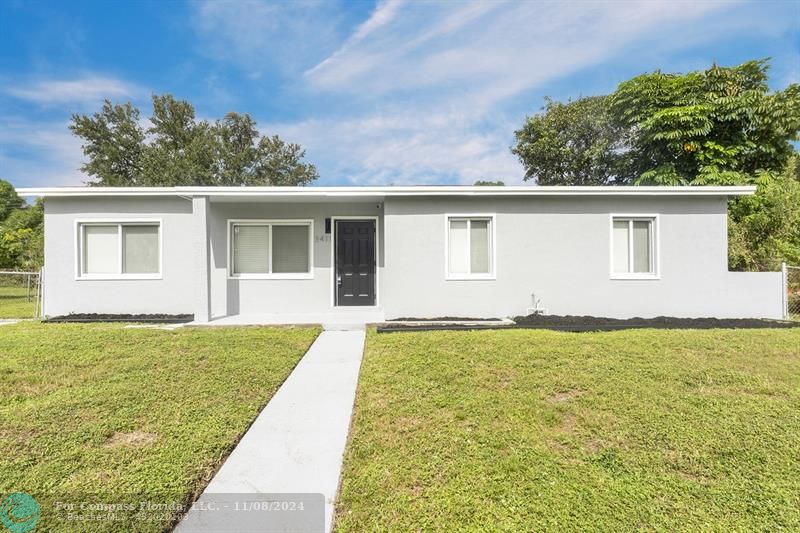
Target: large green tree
[
  {"x": 9, "y": 200},
  {"x": 21, "y": 231},
  {"x": 718, "y": 126},
  {"x": 573, "y": 143},
  {"x": 721, "y": 126},
  {"x": 178, "y": 149},
  {"x": 22, "y": 239},
  {"x": 764, "y": 229}
]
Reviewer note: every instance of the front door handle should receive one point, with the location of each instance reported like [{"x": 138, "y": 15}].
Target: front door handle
[{"x": 338, "y": 280}]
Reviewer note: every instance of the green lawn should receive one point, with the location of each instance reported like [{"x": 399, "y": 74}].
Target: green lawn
[
  {"x": 539, "y": 430},
  {"x": 101, "y": 413},
  {"x": 14, "y": 302}
]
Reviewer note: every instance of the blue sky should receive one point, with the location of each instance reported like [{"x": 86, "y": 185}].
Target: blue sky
[{"x": 387, "y": 92}]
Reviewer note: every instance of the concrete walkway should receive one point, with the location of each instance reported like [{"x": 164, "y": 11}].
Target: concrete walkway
[{"x": 296, "y": 444}]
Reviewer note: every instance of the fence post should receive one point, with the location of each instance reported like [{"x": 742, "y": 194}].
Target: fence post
[
  {"x": 40, "y": 294},
  {"x": 785, "y": 287}
]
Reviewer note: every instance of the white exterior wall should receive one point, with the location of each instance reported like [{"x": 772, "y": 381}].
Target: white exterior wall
[
  {"x": 232, "y": 296},
  {"x": 556, "y": 247},
  {"x": 559, "y": 249},
  {"x": 174, "y": 293}
]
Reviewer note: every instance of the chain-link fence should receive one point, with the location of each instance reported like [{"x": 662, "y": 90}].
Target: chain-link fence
[
  {"x": 791, "y": 284},
  {"x": 20, "y": 294}
]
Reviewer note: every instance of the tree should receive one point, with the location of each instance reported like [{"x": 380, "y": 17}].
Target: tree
[
  {"x": 489, "y": 183},
  {"x": 8, "y": 199},
  {"x": 177, "y": 149},
  {"x": 21, "y": 231},
  {"x": 764, "y": 229},
  {"x": 721, "y": 126},
  {"x": 573, "y": 143},
  {"x": 22, "y": 238},
  {"x": 114, "y": 144}
]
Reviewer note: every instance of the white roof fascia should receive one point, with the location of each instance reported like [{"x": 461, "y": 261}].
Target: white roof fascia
[{"x": 422, "y": 191}]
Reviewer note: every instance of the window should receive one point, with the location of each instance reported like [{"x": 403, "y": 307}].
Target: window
[
  {"x": 470, "y": 247},
  {"x": 271, "y": 249},
  {"x": 119, "y": 250},
  {"x": 633, "y": 247}
]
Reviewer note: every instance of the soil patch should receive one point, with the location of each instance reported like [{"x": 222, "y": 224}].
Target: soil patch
[
  {"x": 564, "y": 396},
  {"x": 664, "y": 322},
  {"x": 133, "y": 439},
  {"x": 593, "y": 323},
  {"x": 443, "y": 319},
  {"x": 95, "y": 317}
]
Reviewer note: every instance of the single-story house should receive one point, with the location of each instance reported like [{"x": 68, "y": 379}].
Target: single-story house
[{"x": 390, "y": 252}]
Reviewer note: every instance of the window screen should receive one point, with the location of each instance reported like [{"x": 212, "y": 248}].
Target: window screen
[
  {"x": 621, "y": 242},
  {"x": 632, "y": 244},
  {"x": 290, "y": 249},
  {"x": 140, "y": 249},
  {"x": 479, "y": 246},
  {"x": 459, "y": 247},
  {"x": 641, "y": 246},
  {"x": 100, "y": 249},
  {"x": 469, "y": 247},
  {"x": 250, "y": 249}
]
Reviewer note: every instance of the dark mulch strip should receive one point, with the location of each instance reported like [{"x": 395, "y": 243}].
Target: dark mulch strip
[
  {"x": 94, "y": 317},
  {"x": 591, "y": 323},
  {"x": 394, "y": 328},
  {"x": 442, "y": 319},
  {"x": 667, "y": 322}
]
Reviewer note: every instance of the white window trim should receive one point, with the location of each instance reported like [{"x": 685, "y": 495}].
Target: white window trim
[
  {"x": 491, "y": 275},
  {"x": 119, "y": 222},
  {"x": 272, "y": 222},
  {"x": 655, "y": 246}
]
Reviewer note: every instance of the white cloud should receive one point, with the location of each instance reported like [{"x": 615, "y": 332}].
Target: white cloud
[
  {"x": 425, "y": 83},
  {"x": 384, "y": 13},
  {"x": 88, "y": 89},
  {"x": 435, "y": 77},
  {"x": 257, "y": 35},
  {"x": 496, "y": 48},
  {"x": 405, "y": 148},
  {"x": 39, "y": 153}
]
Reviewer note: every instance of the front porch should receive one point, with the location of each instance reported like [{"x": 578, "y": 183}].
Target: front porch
[
  {"x": 267, "y": 262},
  {"x": 335, "y": 319}
]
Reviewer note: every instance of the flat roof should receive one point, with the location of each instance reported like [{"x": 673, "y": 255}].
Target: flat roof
[{"x": 312, "y": 192}]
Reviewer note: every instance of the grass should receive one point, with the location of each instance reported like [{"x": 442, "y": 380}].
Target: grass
[
  {"x": 537, "y": 430},
  {"x": 14, "y": 302},
  {"x": 103, "y": 413}
]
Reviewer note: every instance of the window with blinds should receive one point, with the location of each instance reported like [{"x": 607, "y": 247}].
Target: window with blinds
[
  {"x": 633, "y": 247},
  {"x": 267, "y": 249},
  {"x": 469, "y": 247},
  {"x": 119, "y": 250}
]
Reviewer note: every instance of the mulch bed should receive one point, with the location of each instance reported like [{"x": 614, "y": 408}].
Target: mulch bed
[
  {"x": 591, "y": 323},
  {"x": 94, "y": 317},
  {"x": 443, "y": 319}
]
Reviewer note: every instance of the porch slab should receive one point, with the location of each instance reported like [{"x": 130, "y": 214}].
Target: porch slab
[
  {"x": 297, "y": 442},
  {"x": 337, "y": 319}
]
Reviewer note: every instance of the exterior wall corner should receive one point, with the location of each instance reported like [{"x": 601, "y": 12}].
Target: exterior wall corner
[{"x": 201, "y": 250}]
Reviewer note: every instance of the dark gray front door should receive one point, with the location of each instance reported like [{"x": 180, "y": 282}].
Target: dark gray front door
[{"x": 355, "y": 262}]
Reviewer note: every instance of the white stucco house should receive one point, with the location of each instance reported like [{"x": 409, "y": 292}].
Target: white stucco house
[{"x": 388, "y": 252}]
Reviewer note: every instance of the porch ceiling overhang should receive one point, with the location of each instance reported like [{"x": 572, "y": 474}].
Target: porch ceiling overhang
[{"x": 368, "y": 194}]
